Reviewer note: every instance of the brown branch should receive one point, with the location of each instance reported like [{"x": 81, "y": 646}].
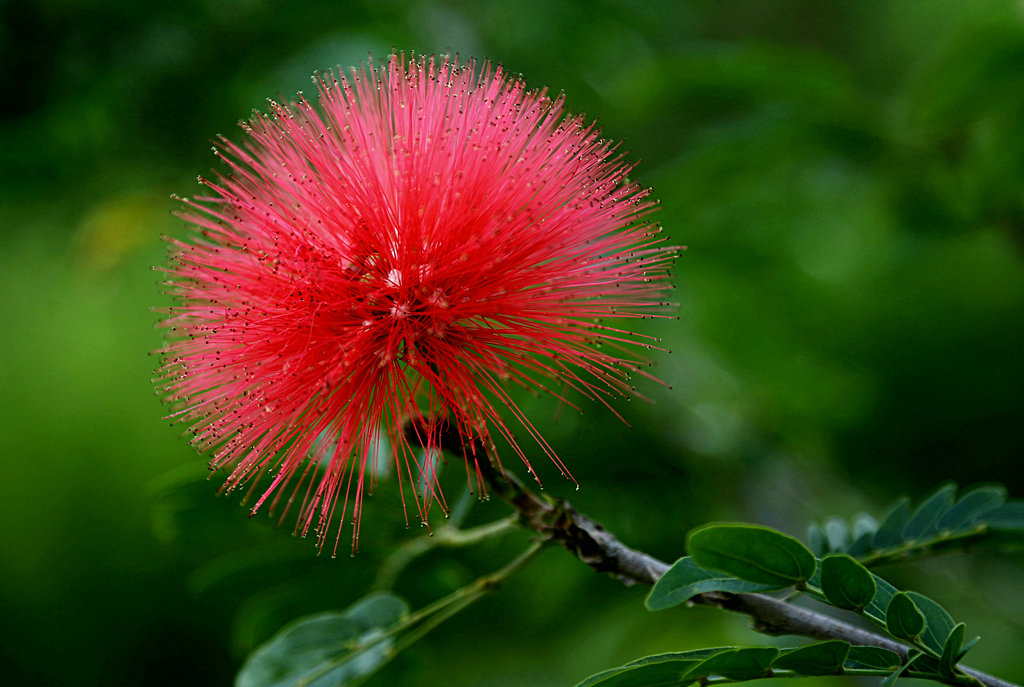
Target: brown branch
[
  {"x": 586, "y": 539},
  {"x": 603, "y": 552}
]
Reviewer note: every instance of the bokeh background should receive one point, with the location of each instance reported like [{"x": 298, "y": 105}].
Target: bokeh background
[{"x": 848, "y": 177}]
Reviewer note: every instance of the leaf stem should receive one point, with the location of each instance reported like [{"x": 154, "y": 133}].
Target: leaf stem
[
  {"x": 474, "y": 589},
  {"x": 434, "y": 614},
  {"x": 420, "y": 622}
]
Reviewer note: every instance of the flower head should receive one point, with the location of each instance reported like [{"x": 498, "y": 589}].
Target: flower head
[{"x": 425, "y": 235}]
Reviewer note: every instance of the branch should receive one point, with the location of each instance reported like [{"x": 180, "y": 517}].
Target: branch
[
  {"x": 603, "y": 552},
  {"x": 586, "y": 539}
]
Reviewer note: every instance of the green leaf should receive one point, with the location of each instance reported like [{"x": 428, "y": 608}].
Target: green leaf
[
  {"x": 751, "y": 553},
  {"x": 685, "y": 579},
  {"x": 1007, "y": 516},
  {"x": 939, "y": 623},
  {"x": 327, "y": 649},
  {"x": 970, "y": 505},
  {"x": 823, "y": 658},
  {"x": 837, "y": 532},
  {"x": 981, "y": 516},
  {"x": 873, "y": 657},
  {"x": 864, "y": 528},
  {"x": 1005, "y": 525},
  {"x": 652, "y": 674},
  {"x": 861, "y": 545},
  {"x": 653, "y": 671},
  {"x": 951, "y": 650},
  {"x": 903, "y": 619},
  {"x": 864, "y": 524},
  {"x": 888, "y": 680},
  {"x": 928, "y": 513},
  {"x": 884, "y": 592},
  {"x": 846, "y": 583},
  {"x": 890, "y": 532},
  {"x": 967, "y": 647},
  {"x": 929, "y": 665},
  {"x": 816, "y": 540},
  {"x": 737, "y": 664}
]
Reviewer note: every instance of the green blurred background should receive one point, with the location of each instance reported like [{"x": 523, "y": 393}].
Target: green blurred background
[{"x": 847, "y": 177}]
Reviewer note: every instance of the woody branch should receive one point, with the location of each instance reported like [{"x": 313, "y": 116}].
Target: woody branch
[{"x": 586, "y": 539}]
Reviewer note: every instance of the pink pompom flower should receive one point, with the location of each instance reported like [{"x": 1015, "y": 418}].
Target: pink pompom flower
[{"x": 425, "y": 235}]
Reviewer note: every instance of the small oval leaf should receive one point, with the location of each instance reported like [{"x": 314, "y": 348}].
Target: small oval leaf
[
  {"x": 864, "y": 524},
  {"x": 837, "y": 533},
  {"x": 816, "y": 540},
  {"x": 823, "y": 658},
  {"x": 971, "y": 504},
  {"x": 1007, "y": 516},
  {"x": 846, "y": 583},
  {"x": 751, "y": 553},
  {"x": 890, "y": 531},
  {"x": 939, "y": 623},
  {"x": 883, "y": 595},
  {"x": 685, "y": 579},
  {"x": 903, "y": 619},
  {"x": 923, "y": 521}
]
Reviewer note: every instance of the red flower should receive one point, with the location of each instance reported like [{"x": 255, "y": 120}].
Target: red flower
[{"x": 425, "y": 236}]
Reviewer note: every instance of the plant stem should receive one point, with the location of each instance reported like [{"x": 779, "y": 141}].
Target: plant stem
[
  {"x": 414, "y": 626},
  {"x": 603, "y": 552},
  {"x": 436, "y": 613},
  {"x": 474, "y": 590},
  {"x": 559, "y": 522}
]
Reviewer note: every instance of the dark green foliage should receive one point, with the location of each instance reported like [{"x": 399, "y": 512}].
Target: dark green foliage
[
  {"x": 903, "y": 619},
  {"x": 832, "y": 657},
  {"x": 686, "y": 579},
  {"x": 939, "y": 624},
  {"x": 653, "y": 671},
  {"x": 912, "y": 658},
  {"x": 890, "y": 531},
  {"x": 942, "y": 522},
  {"x": 872, "y": 657},
  {"x": 884, "y": 592},
  {"x": 846, "y": 583},
  {"x": 743, "y": 554},
  {"x": 748, "y": 552},
  {"x": 971, "y": 504},
  {"x": 924, "y": 520},
  {"x": 327, "y": 649},
  {"x": 951, "y": 650},
  {"x": 823, "y": 658}
]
